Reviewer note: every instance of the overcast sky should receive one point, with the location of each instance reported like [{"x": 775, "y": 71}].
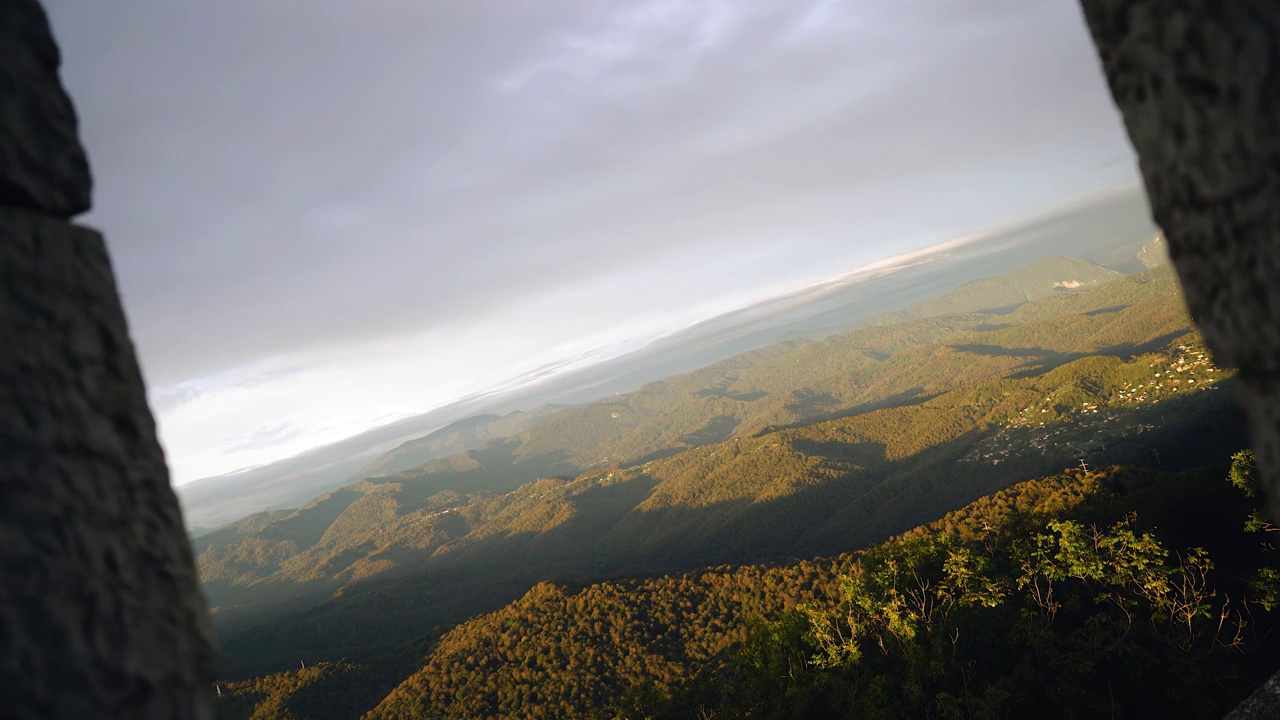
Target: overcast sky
[{"x": 325, "y": 214}]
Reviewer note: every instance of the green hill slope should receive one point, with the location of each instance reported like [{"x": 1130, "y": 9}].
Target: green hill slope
[
  {"x": 1152, "y": 615},
  {"x": 454, "y": 438},
  {"x": 915, "y": 429}
]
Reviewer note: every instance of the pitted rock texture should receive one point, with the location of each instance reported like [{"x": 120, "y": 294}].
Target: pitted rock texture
[
  {"x": 42, "y": 165},
  {"x": 100, "y": 611},
  {"x": 1198, "y": 84},
  {"x": 1261, "y": 705}
]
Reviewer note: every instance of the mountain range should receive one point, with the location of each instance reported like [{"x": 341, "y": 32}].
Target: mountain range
[
  {"x": 802, "y": 448},
  {"x": 1111, "y": 229},
  {"x": 983, "y": 504}
]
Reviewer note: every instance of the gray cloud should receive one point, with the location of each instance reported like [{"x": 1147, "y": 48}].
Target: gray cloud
[
  {"x": 276, "y": 176},
  {"x": 263, "y": 437}
]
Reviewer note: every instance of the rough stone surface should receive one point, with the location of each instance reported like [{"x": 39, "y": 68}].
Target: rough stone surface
[
  {"x": 1261, "y": 705},
  {"x": 1198, "y": 84},
  {"x": 42, "y": 165},
  {"x": 100, "y": 611}
]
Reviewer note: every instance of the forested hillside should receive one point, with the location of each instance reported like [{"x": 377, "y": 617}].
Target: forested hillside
[
  {"x": 781, "y": 383},
  {"x": 1122, "y": 591},
  {"x": 454, "y": 438},
  {"x": 761, "y": 538},
  {"x": 923, "y": 417}
]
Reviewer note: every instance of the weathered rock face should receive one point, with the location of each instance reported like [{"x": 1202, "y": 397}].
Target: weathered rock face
[
  {"x": 100, "y": 610},
  {"x": 42, "y": 166},
  {"x": 1198, "y": 83},
  {"x": 99, "y": 606},
  {"x": 1263, "y": 704},
  {"x": 1199, "y": 87}
]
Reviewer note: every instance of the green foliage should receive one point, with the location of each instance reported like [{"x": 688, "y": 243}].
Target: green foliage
[
  {"x": 1075, "y": 619},
  {"x": 1266, "y": 588},
  {"x": 1058, "y": 597},
  {"x": 1244, "y": 475}
]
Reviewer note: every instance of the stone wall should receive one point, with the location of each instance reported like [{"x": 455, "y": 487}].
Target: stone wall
[{"x": 100, "y": 610}]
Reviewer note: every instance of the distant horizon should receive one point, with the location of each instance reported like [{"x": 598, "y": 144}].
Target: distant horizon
[
  {"x": 600, "y": 355},
  {"x": 323, "y": 215}
]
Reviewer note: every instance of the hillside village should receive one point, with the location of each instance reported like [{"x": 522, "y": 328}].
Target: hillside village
[{"x": 1047, "y": 423}]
